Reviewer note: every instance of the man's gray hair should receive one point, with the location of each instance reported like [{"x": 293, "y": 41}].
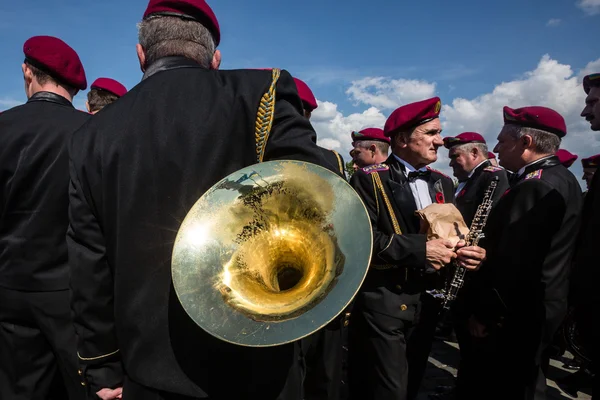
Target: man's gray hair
[
  {"x": 543, "y": 142},
  {"x": 468, "y": 147},
  {"x": 382, "y": 146},
  {"x": 164, "y": 36}
]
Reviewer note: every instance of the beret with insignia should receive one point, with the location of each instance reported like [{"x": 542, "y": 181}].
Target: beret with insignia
[
  {"x": 370, "y": 134},
  {"x": 542, "y": 118},
  {"x": 565, "y": 157},
  {"x": 56, "y": 58},
  {"x": 412, "y": 115},
  {"x": 463, "y": 138},
  {"x": 109, "y": 85},
  {"x": 590, "y": 81},
  {"x": 309, "y": 102},
  {"x": 591, "y": 162}
]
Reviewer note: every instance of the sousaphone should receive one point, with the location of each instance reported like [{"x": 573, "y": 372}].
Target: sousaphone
[{"x": 272, "y": 253}]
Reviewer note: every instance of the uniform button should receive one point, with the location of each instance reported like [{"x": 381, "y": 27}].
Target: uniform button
[
  {"x": 80, "y": 372},
  {"x": 346, "y": 323},
  {"x": 399, "y": 287},
  {"x": 403, "y": 307},
  {"x": 82, "y": 383}
]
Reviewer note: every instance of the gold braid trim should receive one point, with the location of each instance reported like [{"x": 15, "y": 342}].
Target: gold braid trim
[
  {"x": 339, "y": 161},
  {"x": 265, "y": 115},
  {"x": 386, "y": 200},
  {"x": 97, "y": 358}
]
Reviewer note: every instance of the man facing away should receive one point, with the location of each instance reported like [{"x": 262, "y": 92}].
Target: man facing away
[
  {"x": 103, "y": 91},
  {"x": 136, "y": 170}
]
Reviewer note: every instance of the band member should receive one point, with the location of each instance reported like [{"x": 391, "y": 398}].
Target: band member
[
  {"x": 103, "y": 92},
  {"x": 137, "y": 168},
  {"x": 370, "y": 146},
  {"x": 384, "y": 341},
  {"x": 590, "y": 166},
  {"x": 323, "y": 349},
  {"x": 37, "y": 340},
  {"x": 468, "y": 159},
  {"x": 519, "y": 295},
  {"x": 309, "y": 104},
  {"x": 492, "y": 158},
  {"x": 566, "y": 158}
]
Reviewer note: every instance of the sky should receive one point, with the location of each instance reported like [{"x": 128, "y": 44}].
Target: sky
[{"x": 362, "y": 59}]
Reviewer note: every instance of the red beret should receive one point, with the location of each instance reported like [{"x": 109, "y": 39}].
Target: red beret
[
  {"x": 590, "y": 81},
  {"x": 306, "y": 95},
  {"x": 412, "y": 115},
  {"x": 542, "y": 118},
  {"x": 566, "y": 158},
  {"x": 196, "y": 10},
  {"x": 463, "y": 138},
  {"x": 57, "y": 59},
  {"x": 109, "y": 85},
  {"x": 591, "y": 162},
  {"x": 491, "y": 156},
  {"x": 370, "y": 134}
]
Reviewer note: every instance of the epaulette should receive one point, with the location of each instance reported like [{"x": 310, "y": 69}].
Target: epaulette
[
  {"x": 534, "y": 175},
  {"x": 438, "y": 172},
  {"x": 492, "y": 168},
  {"x": 375, "y": 168}
]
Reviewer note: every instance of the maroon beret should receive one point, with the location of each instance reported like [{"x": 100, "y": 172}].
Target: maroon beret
[
  {"x": 591, "y": 162},
  {"x": 565, "y": 157},
  {"x": 491, "y": 156},
  {"x": 412, "y": 115},
  {"x": 463, "y": 138},
  {"x": 590, "y": 81},
  {"x": 542, "y": 118},
  {"x": 57, "y": 59},
  {"x": 306, "y": 95},
  {"x": 109, "y": 85},
  {"x": 370, "y": 134},
  {"x": 197, "y": 10}
]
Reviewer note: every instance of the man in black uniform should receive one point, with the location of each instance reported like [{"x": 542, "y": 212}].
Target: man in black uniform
[
  {"x": 103, "y": 91},
  {"x": 369, "y": 146},
  {"x": 37, "y": 340},
  {"x": 388, "y": 305},
  {"x": 519, "y": 295},
  {"x": 469, "y": 160},
  {"x": 309, "y": 104},
  {"x": 590, "y": 166},
  {"x": 136, "y": 170}
]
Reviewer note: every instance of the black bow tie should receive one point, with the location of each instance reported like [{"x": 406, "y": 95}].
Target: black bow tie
[{"x": 418, "y": 174}]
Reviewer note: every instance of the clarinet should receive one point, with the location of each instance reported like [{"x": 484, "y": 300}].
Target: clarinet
[{"x": 472, "y": 239}]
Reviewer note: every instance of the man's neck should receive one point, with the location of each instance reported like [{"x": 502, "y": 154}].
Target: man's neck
[
  {"x": 476, "y": 164},
  {"x": 410, "y": 160},
  {"x": 59, "y": 90},
  {"x": 530, "y": 159}
]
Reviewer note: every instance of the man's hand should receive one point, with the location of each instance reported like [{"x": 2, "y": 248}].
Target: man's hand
[
  {"x": 470, "y": 257},
  {"x": 439, "y": 252},
  {"x": 110, "y": 394}
]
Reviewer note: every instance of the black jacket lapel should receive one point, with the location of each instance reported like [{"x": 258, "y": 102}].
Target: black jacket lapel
[{"x": 402, "y": 196}]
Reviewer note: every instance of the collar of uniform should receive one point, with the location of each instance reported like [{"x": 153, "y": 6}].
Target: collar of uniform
[
  {"x": 407, "y": 167},
  {"x": 483, "y": 164},
  {"x": 50, "y": 97},
  {"x": 168, "y": 63},
  {"x": 537, "y": 164}
]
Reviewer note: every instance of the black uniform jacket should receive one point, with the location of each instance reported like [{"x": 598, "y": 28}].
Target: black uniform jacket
[
  {"x": 136, "y": 169},
  {"x": 34, "y": 167},
  {"x": 397, "y": 273},
  {"x": 471, "y": 195},
  {"x": 334, "y": 159},
  {"x": 530, "y": 238}
]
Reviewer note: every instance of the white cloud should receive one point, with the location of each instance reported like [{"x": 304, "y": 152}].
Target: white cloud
[
  {"x": 386, "y": 93},
  {"x": 553, "y": 22},
  {"x": 590, "y": 7},
  {"x": 550, "y": 83},
  {"x": 7, "y": 102}
]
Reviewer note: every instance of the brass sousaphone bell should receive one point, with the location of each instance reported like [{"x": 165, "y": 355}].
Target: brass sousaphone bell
[{"x": 272, "y": 253}]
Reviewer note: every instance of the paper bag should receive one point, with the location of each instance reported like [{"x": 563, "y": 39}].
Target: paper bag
[{"x": 443, "y": 221}]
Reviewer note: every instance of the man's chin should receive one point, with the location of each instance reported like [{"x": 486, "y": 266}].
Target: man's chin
[{"x": 595, "y": 124}]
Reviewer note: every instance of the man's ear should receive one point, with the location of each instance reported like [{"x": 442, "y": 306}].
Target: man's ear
[
  {"x": 141, "y": 56},
  {"x": 216, "y": 60},
  {"x": 527, "y": 141}
]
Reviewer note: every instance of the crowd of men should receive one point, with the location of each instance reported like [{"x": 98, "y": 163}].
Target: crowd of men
[{"x": 91, "y": 203}]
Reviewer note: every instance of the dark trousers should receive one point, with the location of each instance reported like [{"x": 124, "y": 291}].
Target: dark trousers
[
  {"x": 377, "y": 364},
  {"x": 38, "y": 354},
  {"x": 324, "y": 362}
]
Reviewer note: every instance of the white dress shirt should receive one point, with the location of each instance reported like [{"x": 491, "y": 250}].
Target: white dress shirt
[
  {"x": 462, "y": 184},
  {"x": 418, "y": 187}
]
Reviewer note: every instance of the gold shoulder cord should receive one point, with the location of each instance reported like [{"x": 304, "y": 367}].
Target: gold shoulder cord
[
  {"x": 379, "y": 186},
  {"x": 339, "y": 161},
  {"x": 265, "y": 115}
]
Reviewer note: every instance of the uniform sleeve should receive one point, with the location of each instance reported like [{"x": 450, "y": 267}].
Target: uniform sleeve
[
  {"x": 92, "y": 294},
  {"x": 405, "y": 250},
  {"x": 292, "y": 136}
]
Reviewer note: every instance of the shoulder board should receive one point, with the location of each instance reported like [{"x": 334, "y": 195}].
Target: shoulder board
[
  {"x": 534, "y": 175},
  {"x": 492, "y": 168},
  {"x": 438, "y": 172},
  {"x": 375, "y": 168}
]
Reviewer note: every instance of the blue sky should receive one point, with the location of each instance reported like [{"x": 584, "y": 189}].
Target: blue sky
[{"x": 461, "y": 49}]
